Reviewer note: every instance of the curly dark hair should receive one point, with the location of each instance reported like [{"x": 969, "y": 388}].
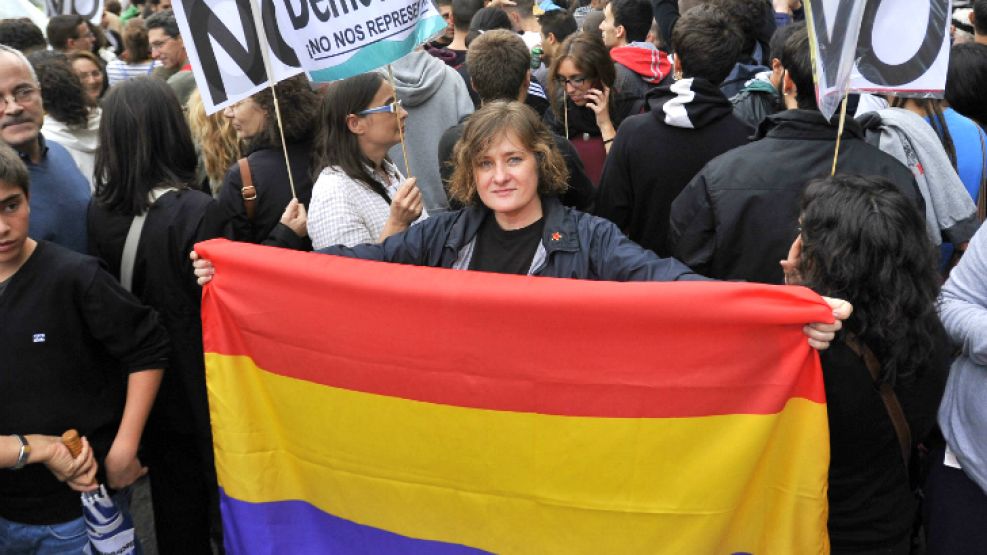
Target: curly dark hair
[
  {"x": 863, "y": 241},
  {"x": 299, "y": 113},
  {"x": 489, "y": 124},
  {"x": 61, "y": 90}
]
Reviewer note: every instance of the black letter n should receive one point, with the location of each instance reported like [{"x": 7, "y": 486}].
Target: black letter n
[{"x": 204, "y": 23}]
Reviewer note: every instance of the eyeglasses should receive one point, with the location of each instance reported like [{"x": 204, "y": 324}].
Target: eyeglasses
[
  {"x": 159, "y": 44},
  {"x": 21, "y": 96},
  {"x": 389, "y": 108},
  {"x": 576, "y": 81}
]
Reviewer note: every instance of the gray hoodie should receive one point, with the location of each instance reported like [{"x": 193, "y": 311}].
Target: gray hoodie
[
  {"x": 949, "y": 210},
  {"x": 963, "y": 310},
  {"x": 436, "y": 98}
]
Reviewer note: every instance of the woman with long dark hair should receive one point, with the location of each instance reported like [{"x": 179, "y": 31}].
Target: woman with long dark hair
[
  {"x": 143, "y": 220},
  {"x": 862, "y": 240},
  {"x": 255, "y": 210},
  {"x": 360, "y": 196}
]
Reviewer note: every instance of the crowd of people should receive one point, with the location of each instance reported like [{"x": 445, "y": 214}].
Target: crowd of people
[{"x": 619, "y": 140}]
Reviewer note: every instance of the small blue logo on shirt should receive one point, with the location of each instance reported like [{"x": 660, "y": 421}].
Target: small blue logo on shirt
[{"x": 39, "y": 338}]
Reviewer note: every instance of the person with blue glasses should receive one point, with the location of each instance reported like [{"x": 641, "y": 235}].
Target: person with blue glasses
[{"x": 359, "y": 195}]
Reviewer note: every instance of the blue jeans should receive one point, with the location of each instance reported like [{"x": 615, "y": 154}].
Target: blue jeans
[
  {"x": 67, "y": 537},
  {"x": 54, "y": 539}
]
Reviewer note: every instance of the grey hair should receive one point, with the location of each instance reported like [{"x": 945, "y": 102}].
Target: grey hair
[
  {"x": 4, "y": 49},
  {"x": 164, "y": 20}
]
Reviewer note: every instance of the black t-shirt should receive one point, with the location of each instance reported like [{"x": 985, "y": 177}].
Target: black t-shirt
[
  {"x": 505, "y": 252},
  {"x": 3, "y": 286}
]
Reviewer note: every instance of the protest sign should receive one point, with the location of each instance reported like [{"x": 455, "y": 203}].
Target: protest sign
[
  {"x": 899, "y": 47},
  {"x": 224, "y": 47},
  {"x": 92, "y": 10},
  {"x": 364, "y": 407},
  {"x": 339, "y": 38}
]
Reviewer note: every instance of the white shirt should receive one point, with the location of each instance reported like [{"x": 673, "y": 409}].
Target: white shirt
[{"x": 346, "y": 212}]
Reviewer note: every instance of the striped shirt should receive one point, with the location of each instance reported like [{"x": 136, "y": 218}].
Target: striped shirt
[
  {"x": 346, "y": 212},
  {"x": 119, "y": 71}
]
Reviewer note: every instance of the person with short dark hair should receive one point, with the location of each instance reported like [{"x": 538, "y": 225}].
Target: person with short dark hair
[
  {"x": 978, "y": 18},
  {"x": 20, "y": 33},
  {"x": 462, "y": 14},
  {"x": 167, "y": 47},
  {"x": 861, "y": 239},
  {"x": 688, "y": 124},
  {"x": 966, "y": 81},
  {"x": 80, "y": 352},
  {"x": 486, "y": 20},
  {"x": 556, "y": 26},
  {"x": 761, "y": 96},
  {"x": 69, "y": 32},
  {"x": 754, "y": 19},
  {"x": 503, "y": 72},
  {"x": 640, "y": 65},
  {"x": 738, "y": 216}
]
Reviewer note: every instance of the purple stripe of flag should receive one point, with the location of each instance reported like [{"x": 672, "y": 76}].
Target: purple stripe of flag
[{"x": 299, "y": 528}]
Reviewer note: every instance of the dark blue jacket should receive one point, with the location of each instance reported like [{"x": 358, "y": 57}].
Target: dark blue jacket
[{"x": 574, "y": 245}]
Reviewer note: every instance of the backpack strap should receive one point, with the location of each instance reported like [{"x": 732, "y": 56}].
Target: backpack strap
[
  {"x": 248, "y": 191},
  {"x": 891, "y": 403},
  {"x": 129, "y": 255}
]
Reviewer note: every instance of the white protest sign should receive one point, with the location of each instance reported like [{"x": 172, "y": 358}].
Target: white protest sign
[
  {"x": 224, "y": 48},
  {"x": 91, "y": 10},
  {"x": 335, "y": 39},
  {"x": 902, "y": 47}
]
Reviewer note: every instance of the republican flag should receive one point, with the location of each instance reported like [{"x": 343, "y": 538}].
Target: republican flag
[{"x": 366, "y": 407}]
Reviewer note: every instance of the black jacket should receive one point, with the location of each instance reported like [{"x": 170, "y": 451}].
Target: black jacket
[
  {"x": 871, "y": 504},
  {"x": 163, "y": 280},
  {"x": 581, "y": 194},
  {"x": 270, "y": 178},
  {"x": 654, "y": 156},
  {"x": 574, "y": 245},
  {"x": 738, "y": 217}
]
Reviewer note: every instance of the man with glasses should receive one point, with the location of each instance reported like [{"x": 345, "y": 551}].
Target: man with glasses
[
  {"x": 70, "y": 32},
  {"x": 59, "y": 192},
  {"x": 168, "y": 49}
]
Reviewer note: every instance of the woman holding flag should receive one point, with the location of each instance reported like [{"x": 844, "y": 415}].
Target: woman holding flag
[{"x": 509, "y": 174}]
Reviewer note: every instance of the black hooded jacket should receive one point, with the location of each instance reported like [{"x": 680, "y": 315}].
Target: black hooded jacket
[
  {"x": 738, "y": 217},
  {"x": 657, "y": 153}
]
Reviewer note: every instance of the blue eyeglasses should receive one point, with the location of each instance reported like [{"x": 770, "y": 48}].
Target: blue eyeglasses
[{"x": 389, "y": 108}]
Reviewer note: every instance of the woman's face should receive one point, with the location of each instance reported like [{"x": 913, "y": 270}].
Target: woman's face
[
  {"x": 91, "y": 77},
  {"x": 382, "y": 127},
  {"x": 247, "y": 117},
  {"x": 574, "y": 81},
  {"x": 507, "y": 181}
]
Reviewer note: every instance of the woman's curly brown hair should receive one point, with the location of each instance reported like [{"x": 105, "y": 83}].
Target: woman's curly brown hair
[
  {"x": 299, "y": 113},
  {"x": 489, "y": 124}
]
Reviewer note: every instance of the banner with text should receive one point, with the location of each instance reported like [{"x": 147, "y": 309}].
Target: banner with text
[
  {"x": 336, "y": 39},
  {"x": 901, "y": 47},
  {"x": 224, "y": 47},
  {"x": 91, "y": 10}
]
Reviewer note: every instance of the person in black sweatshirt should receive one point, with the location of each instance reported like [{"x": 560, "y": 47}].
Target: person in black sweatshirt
[
  {"x": 690, "y": 122},
  {"x": 78, "y": 352}
]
